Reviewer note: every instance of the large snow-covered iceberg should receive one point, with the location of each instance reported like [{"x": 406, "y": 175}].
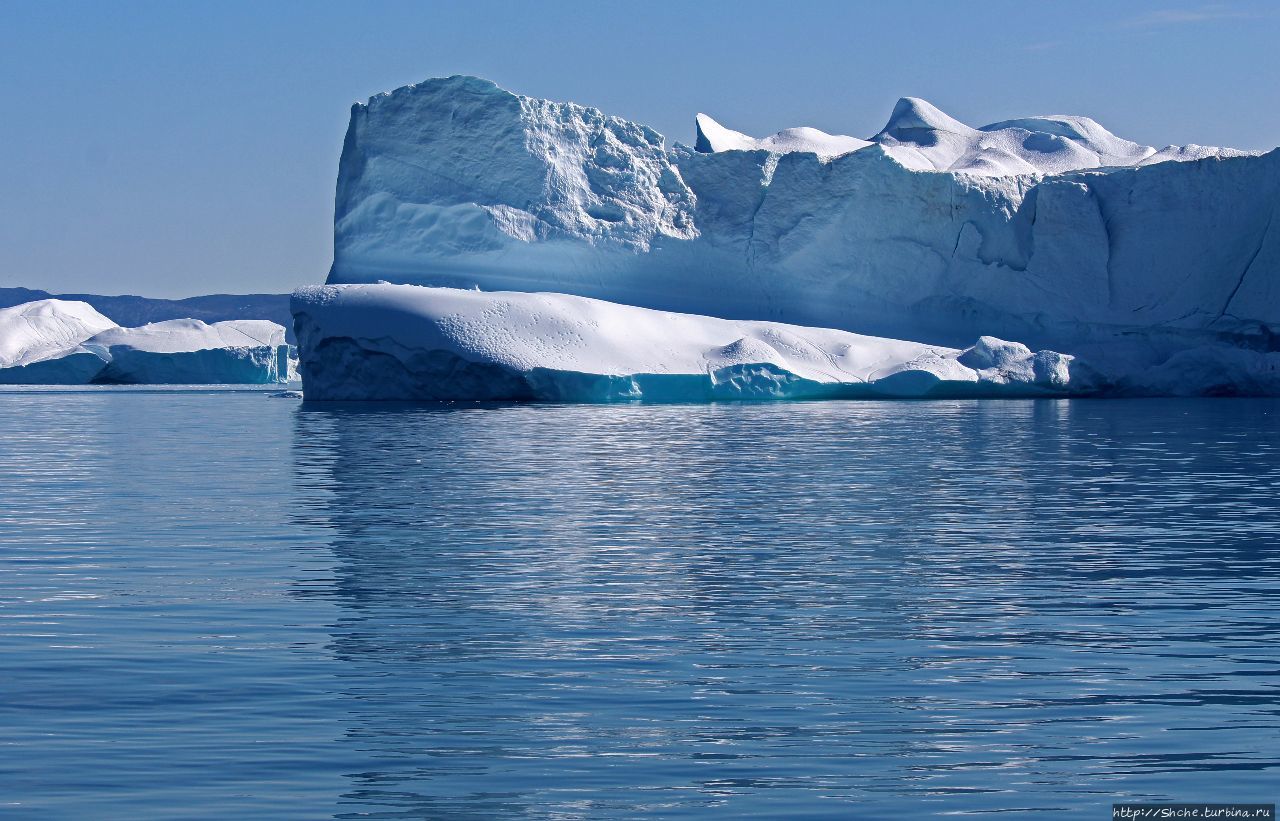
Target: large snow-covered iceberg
[
  {"x": 412, "y": 342},
  {"x": 64, "y": 342},
  {"x": 1158, "y": 267},
  {"x": 921, "y": 137},
  {"x": 1045, "y": 229}
]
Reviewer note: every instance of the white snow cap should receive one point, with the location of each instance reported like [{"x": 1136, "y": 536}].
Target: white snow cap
[
  {"x": 35, "y": 331},
  {"x": 713, "y": 137},
  {"x": 922, "y": 137},
  {"x": 180, "y": 335}
]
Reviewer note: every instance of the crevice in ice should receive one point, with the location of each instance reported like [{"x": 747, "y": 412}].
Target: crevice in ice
[
  {"x": 1262, "y": 241},
  {"x": 1107, "y": 216}
]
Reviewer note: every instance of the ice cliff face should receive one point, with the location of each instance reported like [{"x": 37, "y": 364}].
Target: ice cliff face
[{"x": 1047, "y": 229}]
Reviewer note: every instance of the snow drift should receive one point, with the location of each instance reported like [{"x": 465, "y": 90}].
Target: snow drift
[
  {"x": 41, "y": 342},
  {"x": 1046, "y": 229}
]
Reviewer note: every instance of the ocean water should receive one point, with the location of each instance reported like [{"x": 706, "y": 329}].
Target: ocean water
[{"x": 221, "y": 604}]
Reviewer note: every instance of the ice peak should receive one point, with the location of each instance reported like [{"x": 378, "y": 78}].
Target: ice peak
[
  {"x": 912, "y": 114},
  {"x": 47, "y": 327},
  {"x": 713, "y": 137}
]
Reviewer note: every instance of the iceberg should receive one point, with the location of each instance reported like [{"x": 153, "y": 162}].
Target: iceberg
[
  {"x": 1044, "y": 229},
  {"x": 42, "y": 342},
  {"x": 62, "y": 342},
  {"x": 406, "y": 342},
  {"x": 1160, "y": 268},
  {"x": 192, "y": 352}
]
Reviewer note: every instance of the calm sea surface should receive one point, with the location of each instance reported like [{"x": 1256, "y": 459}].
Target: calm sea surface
[{"x": 226, "y": 605}]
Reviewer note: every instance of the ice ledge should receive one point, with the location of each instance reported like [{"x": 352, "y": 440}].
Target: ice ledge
[{"x": 405, "y": 342}]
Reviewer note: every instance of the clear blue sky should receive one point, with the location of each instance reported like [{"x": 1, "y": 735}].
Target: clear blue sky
[{"x": 177, "y": 148}]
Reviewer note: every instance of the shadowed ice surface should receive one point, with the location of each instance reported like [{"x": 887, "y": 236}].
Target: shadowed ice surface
[{"x": 224, "y": 604}]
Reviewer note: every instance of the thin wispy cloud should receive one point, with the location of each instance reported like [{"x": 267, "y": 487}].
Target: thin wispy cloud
[
  {"x": 1188, "y": 16},
  {"x": 1165, "y": 18}
]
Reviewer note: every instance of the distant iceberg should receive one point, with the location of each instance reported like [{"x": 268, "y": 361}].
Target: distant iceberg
[
  {"x": 42, "y": 342},
  {"x": 189, "y": 351},
  {"x": 1049, "y": 230},
  {"x": 64, "y": 342}
]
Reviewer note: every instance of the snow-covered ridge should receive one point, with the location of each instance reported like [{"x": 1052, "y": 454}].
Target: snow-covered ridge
[
  {"x": 921, "y": 137},
  {"x": 130, "y": 310},
  {"x": 46, "y": 328},
  {"x": 56, "y": 341},
  {"x": 184, "y": 335},
  {"x": 713, "y": 137},
  {"x": 404, "y": 342}
]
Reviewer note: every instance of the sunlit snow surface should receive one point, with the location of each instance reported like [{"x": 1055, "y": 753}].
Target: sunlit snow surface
[
  {"x": 922, "y": 137},
  {"x": 42, "y": 342},
  {"x": 410, "y": 342}
]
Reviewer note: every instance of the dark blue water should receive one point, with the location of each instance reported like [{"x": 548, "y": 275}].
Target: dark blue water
[{"x": 219, "y": 605}]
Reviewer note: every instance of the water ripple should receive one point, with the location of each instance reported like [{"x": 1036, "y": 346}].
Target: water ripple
[{"x": 219, "y": 604}]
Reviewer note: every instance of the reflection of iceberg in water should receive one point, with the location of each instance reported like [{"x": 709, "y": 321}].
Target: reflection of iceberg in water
[{"x": 633, "y": 609}]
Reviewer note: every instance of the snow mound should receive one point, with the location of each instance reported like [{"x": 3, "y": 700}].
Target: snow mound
[
  {"x": 713, "y": 137},
  {"x": 189, "y": 351},
  {"x": 403, "y": 342},
  {"x": 1039, "y": 145},
  {"x": 923, "y": 138},
  {"x": 45, "y": 329}
]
